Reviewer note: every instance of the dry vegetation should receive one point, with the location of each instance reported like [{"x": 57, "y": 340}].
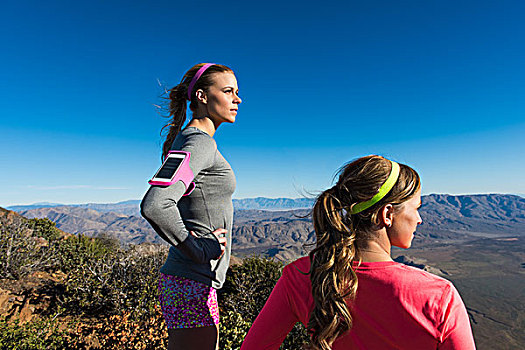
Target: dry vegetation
[{"x": 60, "y": 291}]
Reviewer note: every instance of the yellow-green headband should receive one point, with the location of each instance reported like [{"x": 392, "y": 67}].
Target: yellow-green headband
[{"x": 383, "y": 190}]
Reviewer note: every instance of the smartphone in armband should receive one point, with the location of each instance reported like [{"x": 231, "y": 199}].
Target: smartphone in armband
[{"x": 176, "y": 167}]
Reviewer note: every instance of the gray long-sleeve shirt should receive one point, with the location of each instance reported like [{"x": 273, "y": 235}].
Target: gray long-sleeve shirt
[{"x": 206, "y": 209}]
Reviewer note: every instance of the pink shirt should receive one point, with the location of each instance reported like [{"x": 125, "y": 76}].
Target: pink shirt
[{"x": 396, "y": 307}]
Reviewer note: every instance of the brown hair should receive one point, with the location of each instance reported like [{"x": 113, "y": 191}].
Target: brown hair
[
  {"x": 177, "y": 97},
  {"x": 334, "y": 281}
]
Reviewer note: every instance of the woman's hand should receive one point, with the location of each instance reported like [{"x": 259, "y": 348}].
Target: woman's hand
[{"x": 220, "y": 233}]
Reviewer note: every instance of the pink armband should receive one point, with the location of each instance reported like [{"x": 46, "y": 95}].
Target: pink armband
[{"x": 180, "y": 170}]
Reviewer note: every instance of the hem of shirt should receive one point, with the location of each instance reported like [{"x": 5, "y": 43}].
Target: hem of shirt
[{"x": 192, "y": 276}]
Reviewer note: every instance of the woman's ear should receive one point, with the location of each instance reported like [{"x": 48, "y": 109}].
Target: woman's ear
[
  {"x": 201, "y": 96},
  {"x": 387, "y": 215}
]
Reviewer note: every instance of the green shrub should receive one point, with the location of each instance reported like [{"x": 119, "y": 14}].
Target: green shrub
[
  {"x": 27, "y": 246},
  {"x": 102, "y": 278},
  {"x": 232, "y": 330},
  {"x": 248, "y": 285},
  {"x": 45, "y": 228},
  {"x": 39, "y": 335},
  {"x": 81, "y": 250},
  {"x": 135, "y": 280}
]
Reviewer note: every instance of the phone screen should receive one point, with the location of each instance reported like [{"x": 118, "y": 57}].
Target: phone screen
[{"x": 169, "y": 168}]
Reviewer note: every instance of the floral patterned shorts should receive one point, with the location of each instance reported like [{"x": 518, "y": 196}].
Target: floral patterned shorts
[{"x": 187, "y": 303}]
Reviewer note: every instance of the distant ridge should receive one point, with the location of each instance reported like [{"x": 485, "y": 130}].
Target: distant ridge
[
  {"x": 131, "y": 207},
  {"x": 445, "y": 218},
  {"x": 33, "y": 206},
  {"x": 482, "y": 213},
  {"x": 90, "y": 222},
  {"x": 273, "y": 203}
]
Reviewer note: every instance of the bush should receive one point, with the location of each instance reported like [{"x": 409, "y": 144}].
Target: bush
[
  {"x": 27, "y": 246},
  {"x": 248, "y": 286},
  {"x": 45, "y": 228},
  {"x": 115, "y": 287},
  {"x": 40, "y": 335},
  {"x": 105, "y": 279},
  {"x": 82, "y": 250},
  {"x": 123, "y": 332},
  {"x": 232, "y": 330}
]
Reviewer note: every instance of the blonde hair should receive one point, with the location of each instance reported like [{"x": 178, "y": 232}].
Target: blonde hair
[
  {"x": 177, "y": 97},
  {"x": 334, "y": 281}
]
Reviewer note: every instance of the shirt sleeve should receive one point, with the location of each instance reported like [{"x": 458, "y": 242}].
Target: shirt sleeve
[
  {"x": 275, "y": 320},
  {"x": 159, "y": 205},
  {"x": 457, "y": 333}
]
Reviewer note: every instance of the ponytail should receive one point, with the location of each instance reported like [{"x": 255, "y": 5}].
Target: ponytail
[
  {"x": 333, "y": 278},
  {"x": 177, "y": 110}
]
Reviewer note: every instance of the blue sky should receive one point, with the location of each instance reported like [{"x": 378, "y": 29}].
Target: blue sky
[{"x": 439, "y": 85}]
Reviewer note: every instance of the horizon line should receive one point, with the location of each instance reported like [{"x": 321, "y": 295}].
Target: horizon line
[{"x": 52, "y": 204}]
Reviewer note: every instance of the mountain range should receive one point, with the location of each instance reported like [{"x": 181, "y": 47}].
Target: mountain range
[
  {"x": 283, "y": 233},
  {"x": 131, "y": 207}
]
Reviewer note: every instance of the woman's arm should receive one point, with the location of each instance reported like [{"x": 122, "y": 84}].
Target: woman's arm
[
  {"x": 457, "y": 333},
  {"x": 159, "y": 206},
  {"x": 275, "y": 320}
]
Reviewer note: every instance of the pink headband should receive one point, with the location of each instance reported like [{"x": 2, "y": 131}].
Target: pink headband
[{"x": 196, "y": 77}]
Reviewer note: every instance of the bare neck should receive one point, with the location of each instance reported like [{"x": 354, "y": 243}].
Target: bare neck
[
  {"x": 376, "y": 249},
  {"x": 205, "y": 124}
]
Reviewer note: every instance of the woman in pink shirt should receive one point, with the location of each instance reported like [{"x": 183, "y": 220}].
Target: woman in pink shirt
[{"x": 349, "y": 292}]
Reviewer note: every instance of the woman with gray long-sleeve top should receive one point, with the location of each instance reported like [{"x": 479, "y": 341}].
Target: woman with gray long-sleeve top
[{"x": 197, "y": 225}]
